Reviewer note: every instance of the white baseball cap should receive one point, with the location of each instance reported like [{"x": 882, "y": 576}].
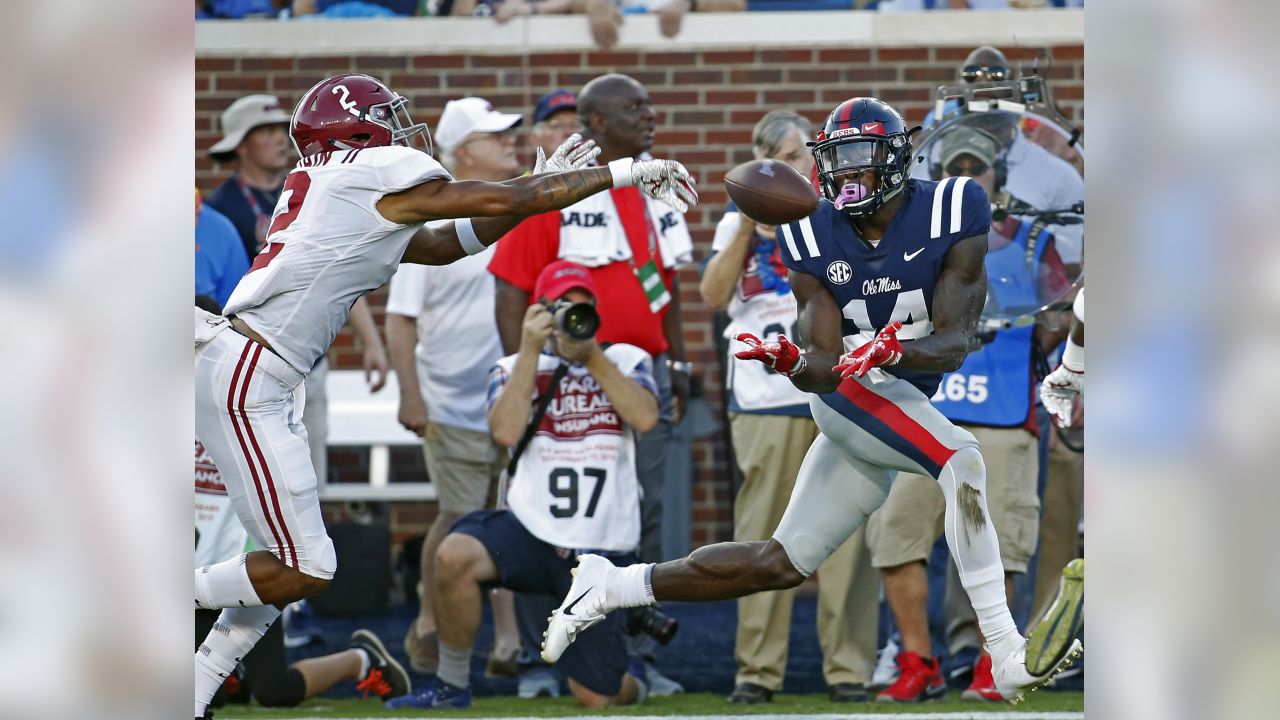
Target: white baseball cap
[
  {"x": 245, "y": 114},
  {"x": 470, "y": 115}
]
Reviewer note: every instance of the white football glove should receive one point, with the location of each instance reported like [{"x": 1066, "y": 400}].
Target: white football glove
[
  {"x": 573, "y": 154},
  {"x": 1059, "y": 391},
  {"x": 666, "y": 181}
]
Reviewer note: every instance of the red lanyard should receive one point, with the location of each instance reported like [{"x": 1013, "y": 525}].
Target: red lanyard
[{"x": 261, "y": 219}]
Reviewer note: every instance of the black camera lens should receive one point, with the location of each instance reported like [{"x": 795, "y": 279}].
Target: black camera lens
[
  {"x": 653, "y": 622},
  {"x": 579, "y": 321}
]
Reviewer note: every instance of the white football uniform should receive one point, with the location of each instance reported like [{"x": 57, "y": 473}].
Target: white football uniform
[
  {"x": 327, "y": 247},
  {"x": 576, "y": 485}
]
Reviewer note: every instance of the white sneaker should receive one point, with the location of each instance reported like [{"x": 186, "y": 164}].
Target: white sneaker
[
  {"x": 1012, "y": 679},
  {"x": 887, "y": 670},
  {"x": 583, "y": 607}
]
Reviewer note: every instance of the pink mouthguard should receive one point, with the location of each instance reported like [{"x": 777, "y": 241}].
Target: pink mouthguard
[{"x": 850, "y": 193}]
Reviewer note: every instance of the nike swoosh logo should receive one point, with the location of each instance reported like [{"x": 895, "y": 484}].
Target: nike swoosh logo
[
  {"x": 911, "y": 256},
  {"x": 568, "y": 610}
]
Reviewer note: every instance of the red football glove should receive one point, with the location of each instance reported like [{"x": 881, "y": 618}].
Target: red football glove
[
  {"x": 783, "y": 356},
  {"x": 884, "y": 350}
]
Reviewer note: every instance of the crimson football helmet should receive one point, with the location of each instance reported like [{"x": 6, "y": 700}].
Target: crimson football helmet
[
  {"x": 352, "y": 111},
  {"x": 862, "y": 135}
]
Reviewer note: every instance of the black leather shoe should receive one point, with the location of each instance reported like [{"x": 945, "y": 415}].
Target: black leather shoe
[
  {"x": 848, "y": 693},
  {"x": 750, "y": 694}
]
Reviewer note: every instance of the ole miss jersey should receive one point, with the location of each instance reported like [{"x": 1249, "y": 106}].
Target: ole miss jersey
[
  {"x": 327, "y": 247},
  {"x": 894, "y": 280}
]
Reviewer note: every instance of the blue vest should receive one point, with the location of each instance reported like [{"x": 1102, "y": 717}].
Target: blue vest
[{"x": 993, "y": 386}]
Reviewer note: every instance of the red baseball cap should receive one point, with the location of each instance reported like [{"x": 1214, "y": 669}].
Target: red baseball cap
[{"x": 560, "y": 277}]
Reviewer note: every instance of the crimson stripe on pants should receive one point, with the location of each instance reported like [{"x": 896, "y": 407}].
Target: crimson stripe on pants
[
  {"x": 244, "y": 447},
  {"x": 898, "y": 421},
  {"x": 275, "y": 500}
]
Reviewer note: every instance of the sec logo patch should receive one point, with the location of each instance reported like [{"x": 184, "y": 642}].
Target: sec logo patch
[{"x": 839, "y": 272}]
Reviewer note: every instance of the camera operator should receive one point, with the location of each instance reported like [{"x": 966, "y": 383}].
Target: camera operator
[
  {"x": 570, "y": 411},
  {"x": 1030, "y": 175}
]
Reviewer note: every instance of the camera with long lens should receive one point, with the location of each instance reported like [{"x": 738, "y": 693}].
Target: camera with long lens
[
  {"x": 579, "y": 321},
  {"x": 651, "y": 621}
]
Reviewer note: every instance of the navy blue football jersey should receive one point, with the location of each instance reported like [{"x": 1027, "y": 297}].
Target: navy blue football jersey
[{"x": 895, "y": 279}]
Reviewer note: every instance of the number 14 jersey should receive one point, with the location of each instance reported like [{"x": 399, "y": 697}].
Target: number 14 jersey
[
  {"x": 895, "y": 279},
  {"x": 327, "y": 246}
]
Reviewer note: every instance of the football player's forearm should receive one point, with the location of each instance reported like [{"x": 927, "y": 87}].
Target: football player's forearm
[
  {"x": 441, "y": 246},
  {"x": 939, "y": 352},
  {"x": 553, "y": 191},
  {"x": 817, "y": 376}
]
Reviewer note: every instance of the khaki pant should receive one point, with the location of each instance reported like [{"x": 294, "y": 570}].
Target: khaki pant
[
  {"x": 769, "y": 451},
  {"x": 1059, "y": 527},
  {"x": 905, "y": 528},
  {"x": 463, "y": 465}
]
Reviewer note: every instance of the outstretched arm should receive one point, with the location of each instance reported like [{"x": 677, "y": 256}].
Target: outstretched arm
[
  {"x": 958, "y": 299},
  {"x": 664, "y": 180},
  {"x": 528, "y": 195},
  {"x": 441, "y": 246}
]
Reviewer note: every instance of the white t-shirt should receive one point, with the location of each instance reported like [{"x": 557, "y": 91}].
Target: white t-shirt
[
  {"x": 222, "y": 537},
  {"x": 576, "y": 486},
  {"x": 1044, "y": 181},
  {"x": 764, "y": 313},
  {"x": 327, "y": 247},
  {"x": 457, "y": 335}
]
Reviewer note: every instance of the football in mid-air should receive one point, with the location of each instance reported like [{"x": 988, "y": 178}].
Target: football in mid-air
[{"x": 770, "y": 192}]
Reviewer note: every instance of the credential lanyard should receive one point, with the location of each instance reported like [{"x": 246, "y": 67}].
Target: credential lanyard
[
  {"x": 260, "y": 219},
  {"x": 650, "y": 277}
]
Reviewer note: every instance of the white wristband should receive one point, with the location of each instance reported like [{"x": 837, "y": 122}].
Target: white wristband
[
  {"x": 467, "y": 237},
  {"x": 1073, "y": 357},
  {"x": 621, "y": 169}
]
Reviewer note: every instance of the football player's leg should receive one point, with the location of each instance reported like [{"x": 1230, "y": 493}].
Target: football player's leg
[
  {"x": 246, "y": 419},
  {"x": 833, "y": 497},
  {"x": 975, "y": 548},
  {"x": 232, "y": 637}
]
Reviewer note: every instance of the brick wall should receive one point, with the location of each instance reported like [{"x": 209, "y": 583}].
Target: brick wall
[{"x": 707, "y": 103}]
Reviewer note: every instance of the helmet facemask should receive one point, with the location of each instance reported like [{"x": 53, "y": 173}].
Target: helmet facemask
[
  {"x": 843, "y": 162},
  {"x": 403, "y": 129},
  {"x": 393, "y": 115}
]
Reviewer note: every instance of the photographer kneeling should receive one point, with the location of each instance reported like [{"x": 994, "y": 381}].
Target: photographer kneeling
[{"x": 569, "y": 410}]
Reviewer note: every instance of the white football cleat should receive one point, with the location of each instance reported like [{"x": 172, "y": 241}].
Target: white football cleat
[
  {"x": 1012, "y": 679},
  {"x": 583, "y": 607}
]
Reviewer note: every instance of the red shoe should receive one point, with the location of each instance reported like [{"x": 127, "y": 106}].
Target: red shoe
[
  {"x": 983, "y": 687},
  {"x": 919, "y": 680}
]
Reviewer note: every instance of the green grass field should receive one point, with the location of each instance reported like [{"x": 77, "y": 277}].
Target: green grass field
[{"x": 1038, "y": 705}]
